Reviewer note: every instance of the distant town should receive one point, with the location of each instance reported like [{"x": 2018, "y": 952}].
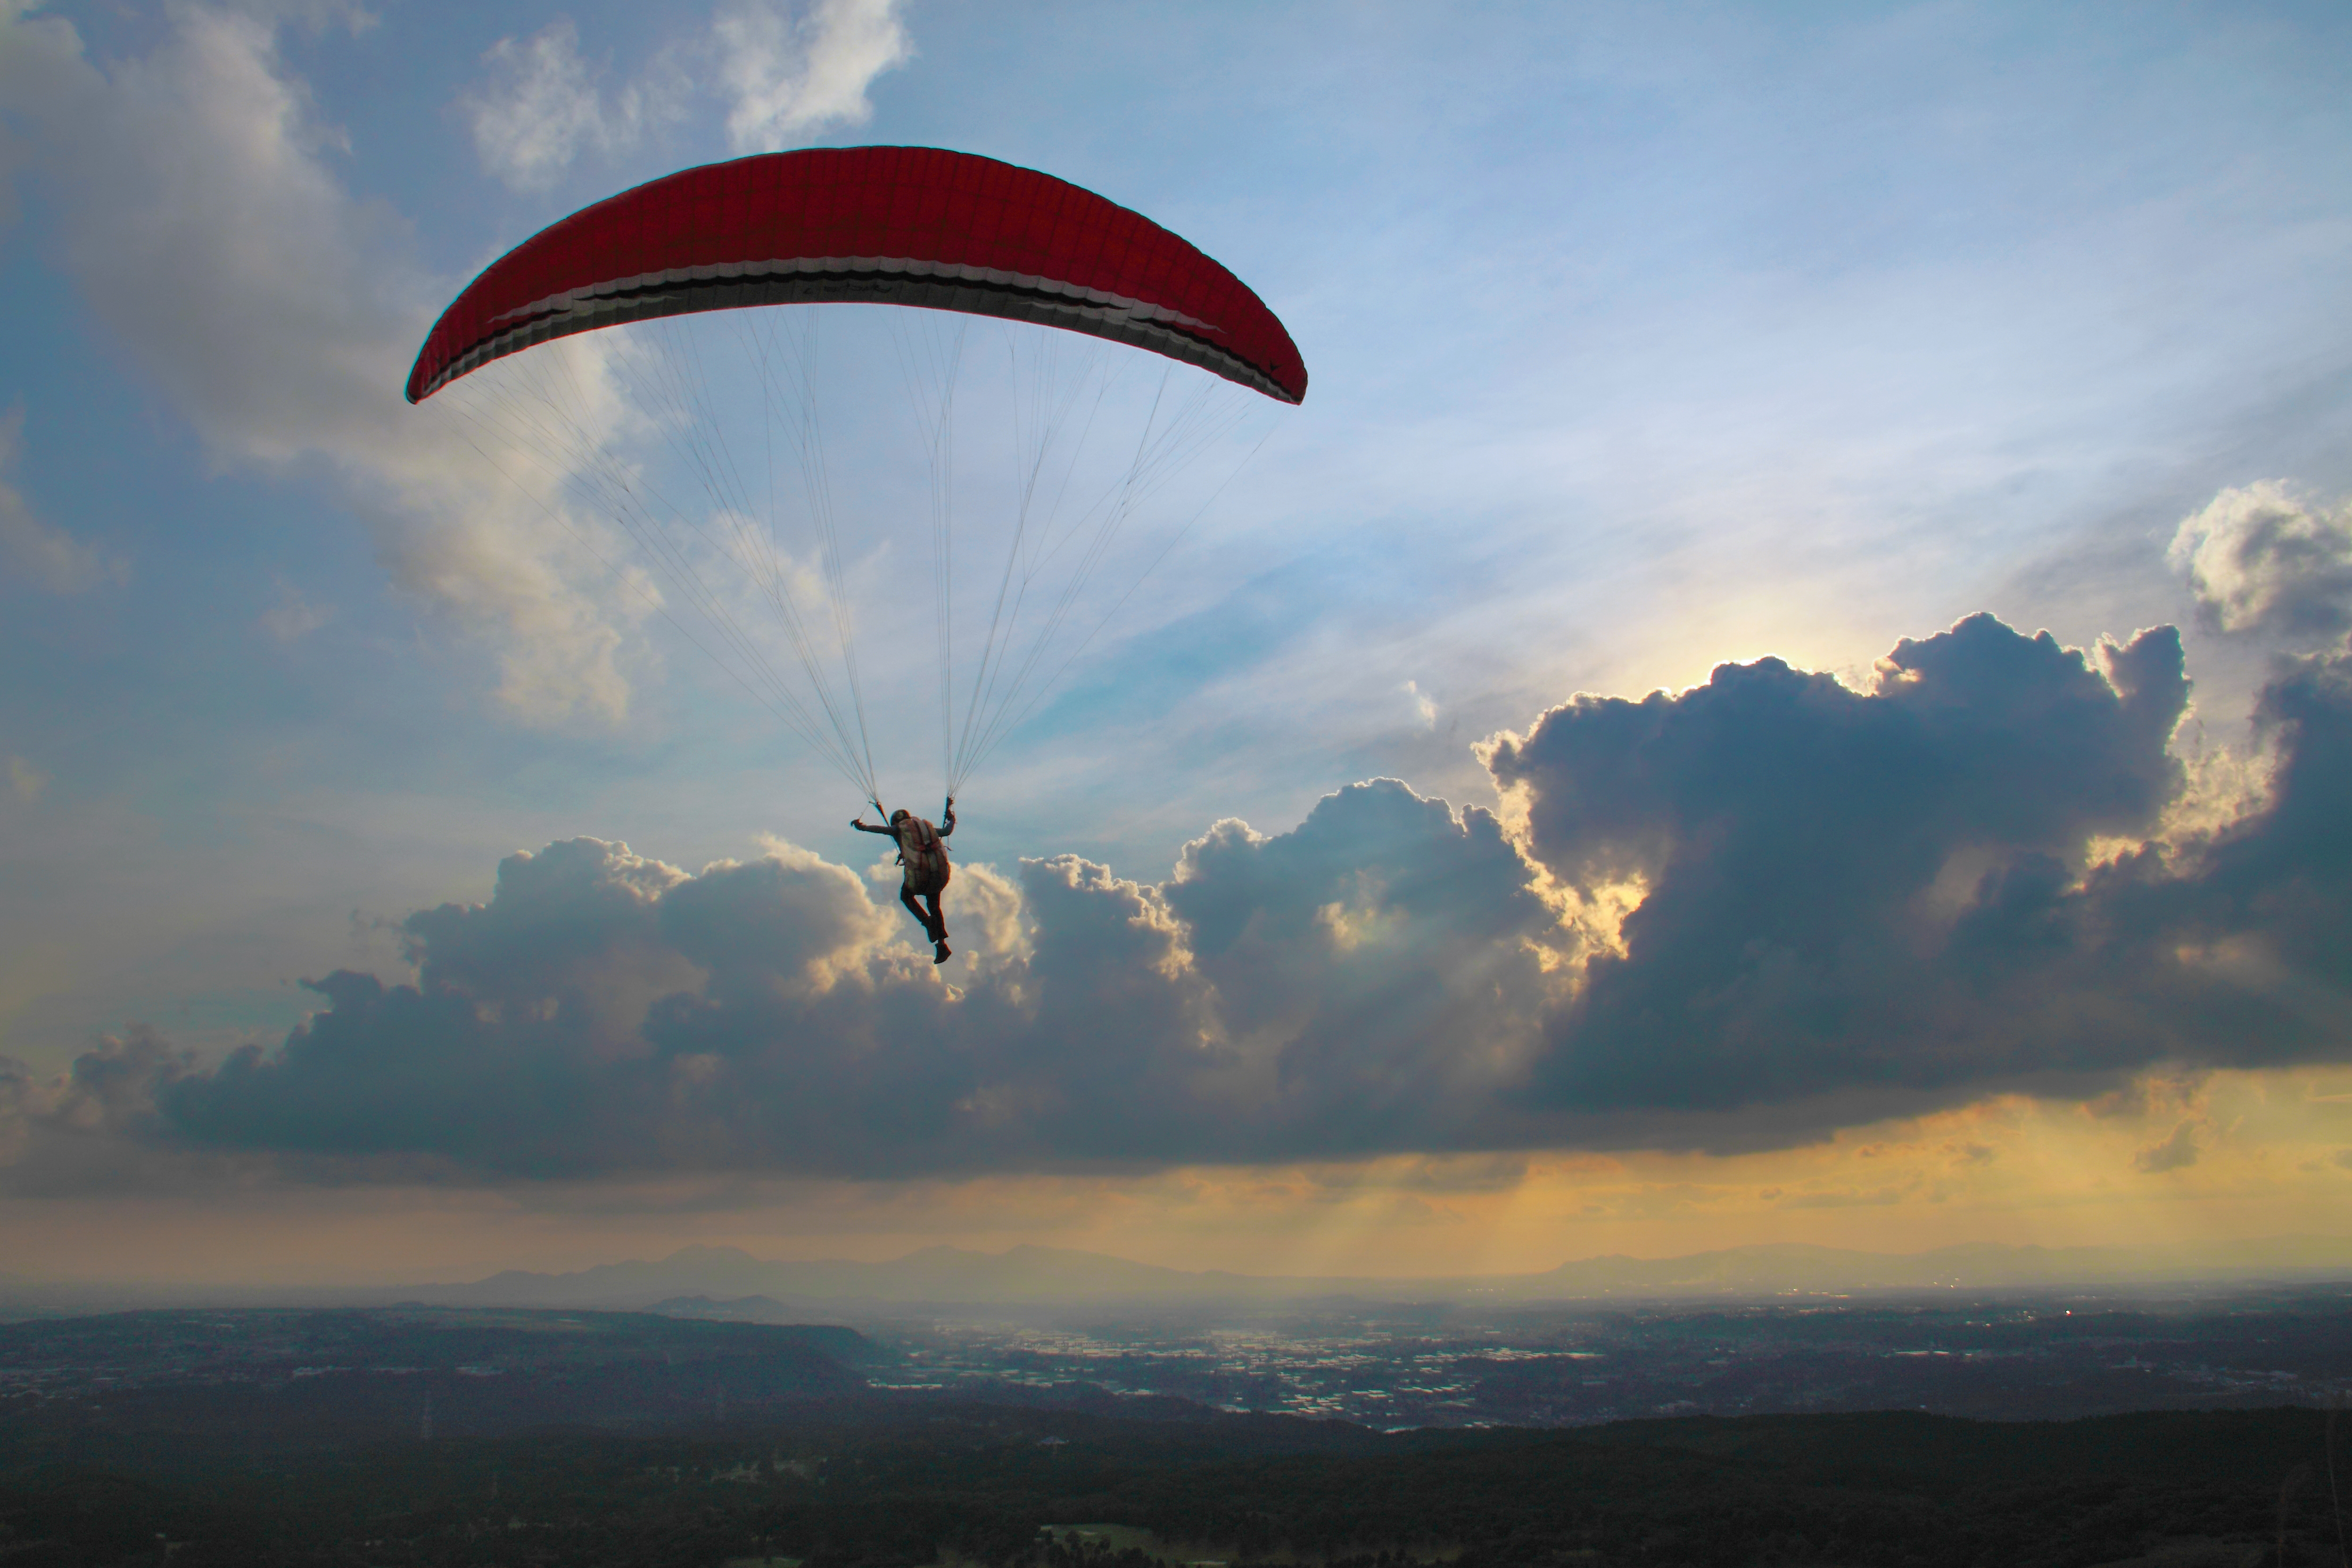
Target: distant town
[
  {"x": 1386, "y": 1366},
  {"x": 1084, "y": 1436}
]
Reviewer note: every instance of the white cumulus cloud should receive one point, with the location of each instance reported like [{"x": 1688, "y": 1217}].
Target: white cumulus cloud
[
  {"x": 294, "y": 616},
  {"x": 2264, "y": 559},
  {"x": 790, "y": 70},
  {"x": 544, "y": 105},
  {"x": 32, "y": 551},
  {"x": 201, "y": 214},
  {"x": 782, "y": 70}
]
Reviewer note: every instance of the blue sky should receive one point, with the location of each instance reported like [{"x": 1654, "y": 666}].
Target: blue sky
[{"x": 1643, "y": 338}]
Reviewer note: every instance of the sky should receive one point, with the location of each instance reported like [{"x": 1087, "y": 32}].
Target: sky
[{"x": 1788, "y": 682}]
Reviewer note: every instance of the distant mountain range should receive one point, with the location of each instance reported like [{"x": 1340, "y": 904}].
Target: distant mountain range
[
  {"x": 727, "y": 1282},
  {"x": 726, "y": 1279},
  {"x": 944, "y": 1275}
]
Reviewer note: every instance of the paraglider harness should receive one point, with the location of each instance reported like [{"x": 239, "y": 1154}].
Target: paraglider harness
[{"x": 923, "y": 851}]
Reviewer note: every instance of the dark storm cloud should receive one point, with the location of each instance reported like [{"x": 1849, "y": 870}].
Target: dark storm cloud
[
  {"x": 1850, "y": 902},
  {"x": 1839, "y": 884},
  {"x": 1882, "y": 897}
]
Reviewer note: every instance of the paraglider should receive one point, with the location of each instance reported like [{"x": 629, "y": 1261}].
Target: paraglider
[
  {"x": 898, "y": 226},
  {"x": 923, "y": 851},
  {"x": 955, "y": 236}
]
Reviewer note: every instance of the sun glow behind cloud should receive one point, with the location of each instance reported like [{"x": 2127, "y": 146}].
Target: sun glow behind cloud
[
  {"x": 1338, "y": 1043},
  {"x": 2008, "y": 1170}
]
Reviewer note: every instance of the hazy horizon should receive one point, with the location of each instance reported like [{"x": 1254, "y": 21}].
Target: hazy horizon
[{"x": 1771, "y": 1270}]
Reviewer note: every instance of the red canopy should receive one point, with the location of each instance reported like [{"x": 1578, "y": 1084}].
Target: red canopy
[{"x": 902, "y": 226}]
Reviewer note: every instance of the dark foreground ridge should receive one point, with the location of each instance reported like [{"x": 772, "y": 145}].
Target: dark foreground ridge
[
  {"x": 892, "y": 1482},
  {"x": 427, "y": 1437}
]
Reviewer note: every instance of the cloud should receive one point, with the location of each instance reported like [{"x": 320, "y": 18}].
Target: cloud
[
  {"x": 784, "y": 71},
  {"x": 200, "y": 215},
  {"x": 1383, "y": 970},
  {"x": 113, "y": 1089},
  {"x": 1852, "y": 904},
  {"x": 26, "y": 780},
  {"x": 48, "y": 558},
  {"x": 788, "y": 69},
  {"x": 1843, "y": 889},
  {"x": 18, "y": 1109},
  {"x": 2149, "y": 1095},
  {"x": 314, "y": 15},
  {"x": 603, "y": 1012},
  {"x": 97, "y": 1127},
  {"x": 544, "y": 105},
  {"x": 2175, "y": 1152},
  {"x": 1858, "y": 902},
  {"x": 1851, "y": 1197},
  {"x": 2264, "y": 560},
  {"x": 293, "y": 616}
]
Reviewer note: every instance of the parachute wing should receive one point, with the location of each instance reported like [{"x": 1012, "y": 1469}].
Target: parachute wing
[{"x": 907, "y": 226}]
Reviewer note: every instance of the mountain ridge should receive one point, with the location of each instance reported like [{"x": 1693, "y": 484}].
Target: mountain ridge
[{"x": 1034, "y": 1275}]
